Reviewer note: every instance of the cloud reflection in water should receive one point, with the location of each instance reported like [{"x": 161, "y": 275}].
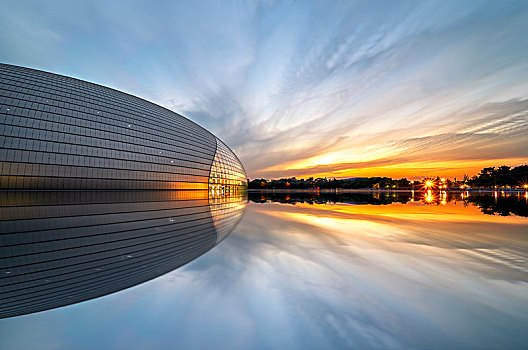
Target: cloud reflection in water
[
  {"x": 313, "y": 276},
  {"x": 400, "y": 276}
]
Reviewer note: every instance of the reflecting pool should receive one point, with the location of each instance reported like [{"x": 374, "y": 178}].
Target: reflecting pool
[
  {"x": 324, "y": 271},
  {"x": 60, "y": 248}
]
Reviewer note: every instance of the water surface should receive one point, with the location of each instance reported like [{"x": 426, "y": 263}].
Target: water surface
[{"x": 306, "y": 271}]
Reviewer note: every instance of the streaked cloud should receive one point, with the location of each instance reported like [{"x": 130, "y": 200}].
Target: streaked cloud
[{"x": 298, "y": 86}]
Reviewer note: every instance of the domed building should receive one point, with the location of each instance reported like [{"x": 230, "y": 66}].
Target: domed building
[
  {"x": 73, "y": 225},
  {"x": 61, "y": 133}
]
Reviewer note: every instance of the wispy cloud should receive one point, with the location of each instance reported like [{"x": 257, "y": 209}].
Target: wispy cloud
[{"x": 297, "y": 82}]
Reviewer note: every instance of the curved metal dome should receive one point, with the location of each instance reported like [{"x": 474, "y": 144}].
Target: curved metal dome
[{"x": 61, "y": 133}]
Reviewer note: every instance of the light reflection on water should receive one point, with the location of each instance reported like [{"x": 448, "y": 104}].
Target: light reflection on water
[{"x": 328, "y": 271}]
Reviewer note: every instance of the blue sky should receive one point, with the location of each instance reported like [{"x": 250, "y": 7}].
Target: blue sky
[{"x": 306, "y": 88}]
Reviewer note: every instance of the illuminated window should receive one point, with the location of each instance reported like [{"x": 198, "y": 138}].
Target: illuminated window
[{"x": 227, "y": 175}]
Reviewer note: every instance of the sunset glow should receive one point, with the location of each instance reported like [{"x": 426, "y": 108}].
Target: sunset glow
[
  {"x": 300, "y": 88},
  {"x": 451, "y": 169},
  {"x": 264, "y": 174}
]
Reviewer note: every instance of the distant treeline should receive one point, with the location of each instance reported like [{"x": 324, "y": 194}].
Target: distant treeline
[
  {"x": 503, "y": 176},
  {"x": 324, "y": 183}
]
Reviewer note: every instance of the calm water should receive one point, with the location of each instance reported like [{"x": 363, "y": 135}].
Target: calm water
[{"x": 304, "y": 271}]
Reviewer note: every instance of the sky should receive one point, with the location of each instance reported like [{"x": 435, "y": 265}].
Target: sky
[{"x": 306, "y": 88}]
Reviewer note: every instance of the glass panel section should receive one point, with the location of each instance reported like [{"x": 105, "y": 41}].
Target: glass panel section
[{"x": 228, "y": 177}]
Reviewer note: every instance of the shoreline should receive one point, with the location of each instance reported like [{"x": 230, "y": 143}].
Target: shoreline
[{"x": 386, "y": 190}]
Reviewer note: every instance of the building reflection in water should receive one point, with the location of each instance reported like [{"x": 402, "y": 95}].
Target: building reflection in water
[{"x": 60, "y": 248}]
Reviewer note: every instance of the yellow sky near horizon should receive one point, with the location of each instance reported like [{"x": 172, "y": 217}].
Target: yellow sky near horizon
[{"x": 411, "y": 170}]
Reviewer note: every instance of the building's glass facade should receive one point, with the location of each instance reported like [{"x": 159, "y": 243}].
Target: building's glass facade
[
  {"x": 227, "y": 173},
  {"x": 68, "y": 243},
  {"x": 60, "y": 133},
  {"x": 60, "y": 248}
]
